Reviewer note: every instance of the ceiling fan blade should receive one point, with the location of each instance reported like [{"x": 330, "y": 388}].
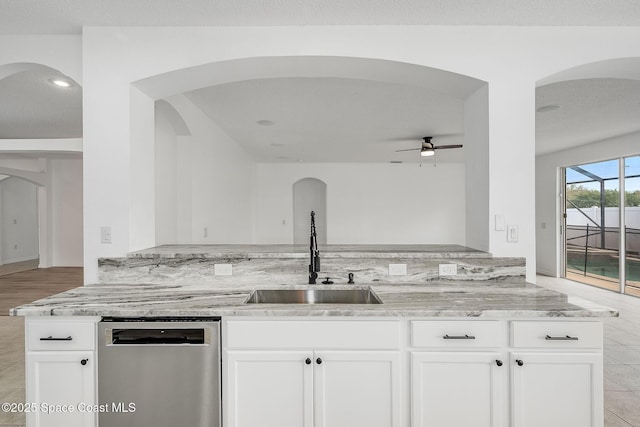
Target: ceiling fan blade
[
  {"x": 445, "y": 147},
  {"x": 410, "y": 149}
]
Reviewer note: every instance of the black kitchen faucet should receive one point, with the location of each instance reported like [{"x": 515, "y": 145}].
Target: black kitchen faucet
[{"x": 314, "y": 253}]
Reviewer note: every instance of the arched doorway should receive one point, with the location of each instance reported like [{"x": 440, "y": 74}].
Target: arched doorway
[{"x": 309, "y": 194}]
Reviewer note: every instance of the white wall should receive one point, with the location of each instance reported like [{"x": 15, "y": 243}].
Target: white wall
[
  {"x": 18, "y": 220},
  {"x": 368, "y": 203},
  {"x": 214, "y": 181},
  {"x": 66, "y": 212},
  {"x": 166, "y": 197},
  {"x": 60, "y": 208},
  {"x": 510, "y": 59},
  {"x": 549, "y": 193},
  {"x": 476, "y": 131}
]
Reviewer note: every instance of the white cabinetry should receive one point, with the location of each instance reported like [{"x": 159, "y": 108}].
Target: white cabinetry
[
  {"x": 60, "y": 371},
  {"x": 467, "y": 373},
  {"x": 458, "y": 373},
  {"x": 557, "y": 379},
  {"x": 312, "y": 373}
]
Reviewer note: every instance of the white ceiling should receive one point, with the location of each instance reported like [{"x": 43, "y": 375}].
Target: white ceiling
[
  {"x": 590, "y": 110},
  {"x": 326, "y": 119},
  {"x": 332, "y": 119},
  {"x": 68, "y": 16},
  {"x": 33, "y": 107}
]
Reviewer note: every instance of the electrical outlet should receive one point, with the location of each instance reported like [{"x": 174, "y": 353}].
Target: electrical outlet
[
  {"x": 105, "y": 234},
  {"x": 447, "y": 269},
  {"x": 397, "y": 269},
  {"x": 223, "y": 269}
]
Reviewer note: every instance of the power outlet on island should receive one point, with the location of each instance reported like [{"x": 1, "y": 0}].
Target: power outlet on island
[
  {"x": 447, "y": 269},
  {"x": 223, "y": 269},
  {"x": 397, "y": 269}
]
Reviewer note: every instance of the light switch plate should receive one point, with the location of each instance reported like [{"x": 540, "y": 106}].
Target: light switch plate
[
  {"x": 397, "y": 269},
  {"x": 223, "y": 269},
  {"x": 499, "y": 222},
  {"x": 105, "y": 234},
  {"x": 512, "y": 233}
]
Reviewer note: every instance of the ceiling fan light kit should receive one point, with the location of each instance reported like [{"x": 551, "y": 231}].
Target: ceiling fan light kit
[{"x": 428, "y": 149}]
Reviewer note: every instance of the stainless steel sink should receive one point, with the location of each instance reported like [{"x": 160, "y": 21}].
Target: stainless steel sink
[{"x": 313, "y": 296}]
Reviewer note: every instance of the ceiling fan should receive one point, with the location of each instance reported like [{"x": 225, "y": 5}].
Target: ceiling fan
[{"x": 428, "y": 149}]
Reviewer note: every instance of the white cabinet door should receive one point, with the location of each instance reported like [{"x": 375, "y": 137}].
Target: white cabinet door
[
  {"x": 458, "y": 389},
  {"x": 62, "y": 382},
  {"x": 557, "y": 389},
  {"x": 357, "y": 388},
  {"x": 269, "y": 389}
]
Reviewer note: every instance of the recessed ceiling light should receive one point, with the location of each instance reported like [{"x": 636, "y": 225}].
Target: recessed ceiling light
[
  {"x": 547, "y": 108},
  {"x": 395, "y": 161},
  {"x": 61, "y": 82},
  {"x": 265, "y": 123},
  {"x": 277, "y": 144}
]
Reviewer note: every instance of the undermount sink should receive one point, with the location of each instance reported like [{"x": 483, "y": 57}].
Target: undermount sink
[{"x": 313, "y": 296}]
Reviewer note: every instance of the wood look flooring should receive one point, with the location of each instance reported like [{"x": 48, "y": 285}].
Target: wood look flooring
[{"x": 27, "y": 286}]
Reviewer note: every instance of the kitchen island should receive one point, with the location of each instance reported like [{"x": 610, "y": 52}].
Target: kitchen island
[
  {"x": 439, "y": 351},
  {"x": 410, "y": 361}
]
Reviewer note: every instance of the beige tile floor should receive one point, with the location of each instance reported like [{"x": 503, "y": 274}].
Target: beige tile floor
[
  {"x": 11, "y": 368},
  {"x": 621, "y": 356}
]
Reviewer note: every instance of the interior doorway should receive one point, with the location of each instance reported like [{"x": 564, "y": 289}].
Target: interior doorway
[
  {"x": 309, "y": 194},
  {"x": 19, "y": 228}
]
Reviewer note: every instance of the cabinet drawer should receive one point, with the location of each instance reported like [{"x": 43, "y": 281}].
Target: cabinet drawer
[
  {"x": 457, "y": 333},
  {"x": 556, "y": 334},
  {"x": 311, "y": 334},
  {"x": 56, "y": 335}
]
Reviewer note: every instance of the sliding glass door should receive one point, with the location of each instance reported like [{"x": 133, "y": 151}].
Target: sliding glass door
[
  {"x": 592, "y": 223},
  {"x": 594, "y": 237},
  {"x": 632, "y": 225}
]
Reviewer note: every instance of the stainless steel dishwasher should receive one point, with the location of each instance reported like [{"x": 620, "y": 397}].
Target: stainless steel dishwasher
[{"x": 161, "y": 372}]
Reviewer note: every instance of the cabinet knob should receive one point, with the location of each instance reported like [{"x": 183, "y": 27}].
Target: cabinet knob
[
  {"x": 84, "y": 361},
  {"x": 319, "y": 361},
  {"x": 307, "y": 361},
  {"x": 519, "y": 362},
  {"x": 499, "y": 362}
]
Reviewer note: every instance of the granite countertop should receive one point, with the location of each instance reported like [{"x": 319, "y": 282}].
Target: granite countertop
[
  {"x": 302, "y": 251},
  {"x": 450, "y": 299}
]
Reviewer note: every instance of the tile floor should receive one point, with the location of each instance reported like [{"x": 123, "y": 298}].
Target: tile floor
[{"x": 621, "y": 356}]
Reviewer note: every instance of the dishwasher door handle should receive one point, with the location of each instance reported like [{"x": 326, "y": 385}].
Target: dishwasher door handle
[
  {"x": 51, "y": 338},
  {"x": 159, "y": 336}
]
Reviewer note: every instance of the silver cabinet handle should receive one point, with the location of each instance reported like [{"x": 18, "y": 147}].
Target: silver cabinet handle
[
  {"x": 458, "y": 337},
  {"x": 50, "y": 338},
  {"x": 565, "y": 338}
]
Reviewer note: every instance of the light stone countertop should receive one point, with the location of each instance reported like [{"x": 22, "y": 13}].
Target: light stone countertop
[
  {"x": 436, "y": 299},
  {"x": 433, "y": 251}
]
